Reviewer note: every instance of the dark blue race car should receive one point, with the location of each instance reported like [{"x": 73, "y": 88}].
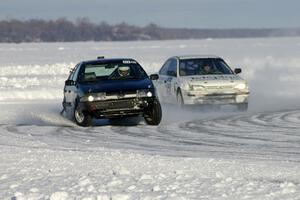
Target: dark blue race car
[{"x": 110, "y": 88}]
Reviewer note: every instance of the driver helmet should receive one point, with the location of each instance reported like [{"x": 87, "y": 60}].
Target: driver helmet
[{"x": 124, "y": 71}]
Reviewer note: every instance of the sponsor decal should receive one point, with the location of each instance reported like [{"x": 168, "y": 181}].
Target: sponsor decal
[
  {"x": 212, "y": 77},
  {"x": 129, "y": 62}
]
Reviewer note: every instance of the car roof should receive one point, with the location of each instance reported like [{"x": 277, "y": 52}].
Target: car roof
[
  {"x": 182, "y": 57},
  {"x": 107, "y": 60}
]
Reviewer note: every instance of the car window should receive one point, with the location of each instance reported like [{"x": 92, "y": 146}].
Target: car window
[
  {"x": 101, "y": 69},
  {"x": 222, "y": 66},
  {"x": 72, "y": 72},
  {"x": 172, "y": 68},
  {"x": 112, "y": 71},
  {"x": 76, "y": 71},
  {"x": 164, "y": 69},
  {"x": 203, "y": 66},
  {"x": 189, "y": 67}
]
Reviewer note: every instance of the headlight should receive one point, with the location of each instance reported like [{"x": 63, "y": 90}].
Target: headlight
[
  {"x": 91, "y": 98},
  {"x": 195, "y": 87},
  {"x": 198, "y": 87},
  {"x": 241, "y": 98},
  {"x": 241, "y": 86},
  {"x": 94, "y": 97},
  {"x": 143, "y": 93}
]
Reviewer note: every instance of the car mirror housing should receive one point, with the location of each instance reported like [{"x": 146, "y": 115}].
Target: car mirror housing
[
  {"x": 154, "y": 77},
  {"x": 237, "y": 70},
  {"x": 69, "y": 82}
]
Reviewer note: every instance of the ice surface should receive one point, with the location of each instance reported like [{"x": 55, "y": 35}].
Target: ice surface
[{"x": 191, "y": 155}]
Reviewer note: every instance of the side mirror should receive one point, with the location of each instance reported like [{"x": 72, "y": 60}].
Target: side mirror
[
  {"x": 237, "y": 70},
  {"x": 154, "y": 77},
  {"x": 69, "y": 82}
]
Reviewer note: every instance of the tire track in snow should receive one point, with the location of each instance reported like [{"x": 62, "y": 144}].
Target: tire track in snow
[{"x": 272, "y": 135}]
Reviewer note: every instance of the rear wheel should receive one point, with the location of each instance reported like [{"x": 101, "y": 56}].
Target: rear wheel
[
  {"x": 242, "y": 107},
  {"x": 81, "y": 118},
  {"x": 153, "y": 117}
]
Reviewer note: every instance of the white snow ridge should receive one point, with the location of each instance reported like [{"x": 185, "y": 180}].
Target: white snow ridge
[{"x": 190, "y": 155}]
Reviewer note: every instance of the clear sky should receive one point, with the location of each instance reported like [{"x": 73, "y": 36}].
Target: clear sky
[{"x": 168, "y": 13}]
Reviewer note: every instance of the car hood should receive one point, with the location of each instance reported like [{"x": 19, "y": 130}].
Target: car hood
[{"x": 116, "y": 86}]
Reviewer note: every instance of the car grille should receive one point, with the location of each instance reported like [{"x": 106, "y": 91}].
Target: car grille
[
  {"x": 121, "y": 95},
  {"x": 117, "y": 104},
  {"x": 217, "y": 99}
]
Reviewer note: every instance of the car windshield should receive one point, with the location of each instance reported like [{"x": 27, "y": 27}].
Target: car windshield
[
  {"x": 121, "y": 70},
  {"x": 203, "y": 66}
]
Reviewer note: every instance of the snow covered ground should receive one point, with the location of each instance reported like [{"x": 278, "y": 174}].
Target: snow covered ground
[{"x": 191, "y": 155}]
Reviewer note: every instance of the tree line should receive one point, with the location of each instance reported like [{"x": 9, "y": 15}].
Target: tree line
[{"x": 63, "y": 30}]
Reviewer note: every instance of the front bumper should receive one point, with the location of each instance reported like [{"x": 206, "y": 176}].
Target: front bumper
[
  {"x": 216, "y": 98},
  {"x": 118, "y": 107}
]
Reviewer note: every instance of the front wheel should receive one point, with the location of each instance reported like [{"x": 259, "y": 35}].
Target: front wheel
[
  {"x": 81, "y": 118},
  {"x": 153, "y": 117}
]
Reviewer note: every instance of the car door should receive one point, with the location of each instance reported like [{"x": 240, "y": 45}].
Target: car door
[
  {"x": 162, "y": 80},
  {"x": 70, "y": 91},
  {"x": 66, "y": 102},
  {"x": 171, "y": 81}
]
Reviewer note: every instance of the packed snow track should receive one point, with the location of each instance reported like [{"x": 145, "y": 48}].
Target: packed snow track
[
  {"x": 192, "y": 154},
  {"x": 266, "y": 135}
]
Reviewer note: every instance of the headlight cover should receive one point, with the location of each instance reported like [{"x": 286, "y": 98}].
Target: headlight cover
[
  {"x": 241, "y": 86},
  {"x": 94, "y": 97},
  {"x": 91, "y": 98},
  {"x": 198, "y": 87},
  {"x": 195, "y": 87},
  {"x": 144, "y": 93}
]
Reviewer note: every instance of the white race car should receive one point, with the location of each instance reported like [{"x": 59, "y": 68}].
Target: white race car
[{"x": 201, "y": 80}]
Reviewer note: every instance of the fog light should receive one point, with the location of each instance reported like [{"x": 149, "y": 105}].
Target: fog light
[
  {"x": 149, "y": 94},
  {"x": 240, "y": 98}
]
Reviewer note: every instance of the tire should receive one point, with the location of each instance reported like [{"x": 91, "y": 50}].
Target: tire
[
  {"x": 81, "y": 118},
  {"x": 180, "y": 101},
  {"x": 243, "y": 107},
  {"x": 153, "y": 117}
]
